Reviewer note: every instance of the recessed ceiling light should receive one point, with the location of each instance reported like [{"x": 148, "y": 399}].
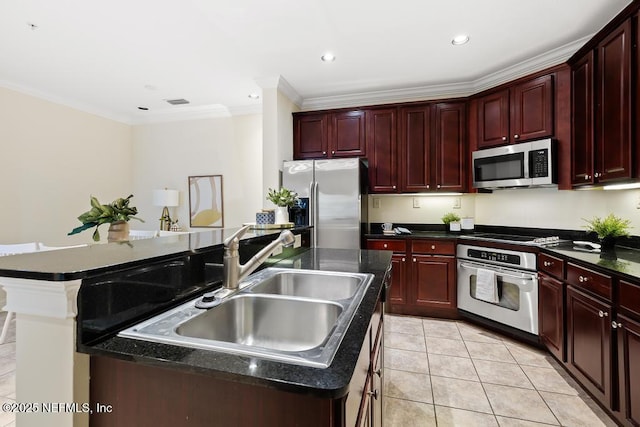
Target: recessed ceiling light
[
  {"x": 328, "y": 57},
  {"x": 254, "y": 96},
  {"x": 461, "y": 39}
]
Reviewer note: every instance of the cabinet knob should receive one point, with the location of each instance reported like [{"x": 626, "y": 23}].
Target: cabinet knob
[
  {"x": 324, "y": 153},
  {"x": 504, "y": 138},
  {"x": 414, "y": 260},
  {"x": 582, "y": 279},
  {"x": 438, "y": 185},
  {"x": 547, "y": 263},
  {"x": 596, "y": 175},
  {"x": 428, "y": 186},
  {"x": 602, "y": 313},
  {"x": 616, "y": 325},
  {"x": 587, "y": 177},
  {"x": 404, "y": 259},
  {"x": 516, "y": 136},
  {"x": 433, "y": 247},
  {"x": 379, "y": 372},
  {"x": 373, "y": 393},
  {"x": 384, "y": 245},
  {"x": 333, "y": 152}
]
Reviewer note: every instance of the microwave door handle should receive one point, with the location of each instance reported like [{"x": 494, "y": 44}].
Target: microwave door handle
[{"x": 526, "y": 276}]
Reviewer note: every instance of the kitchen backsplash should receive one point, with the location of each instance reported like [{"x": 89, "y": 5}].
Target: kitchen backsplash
[{"x": 541, "y": 208}]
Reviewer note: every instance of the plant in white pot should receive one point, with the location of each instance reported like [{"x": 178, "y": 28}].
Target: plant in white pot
[{"x": 283, "y": 199}]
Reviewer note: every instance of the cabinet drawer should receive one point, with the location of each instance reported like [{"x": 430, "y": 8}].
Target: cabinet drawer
[
  {"x": 629, "y": 297},
  {"x": 551, "y": 265},
  {"x": 399, "y": 246},
  {"x": 440, "y": 247},
  {"x": 584, "y": 278}
]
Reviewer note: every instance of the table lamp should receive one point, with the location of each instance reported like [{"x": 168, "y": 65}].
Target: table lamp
[{"x": 167, "y": 198}]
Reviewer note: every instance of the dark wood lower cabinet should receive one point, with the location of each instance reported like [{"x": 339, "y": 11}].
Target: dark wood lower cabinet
[
  {"x": 628, "y": 336},
  {"x": 398, "y": 290},
  {"x": 589, "y": 343},
  {"x": 551, "y": 315},
  {"x": 434, "y": 283}
]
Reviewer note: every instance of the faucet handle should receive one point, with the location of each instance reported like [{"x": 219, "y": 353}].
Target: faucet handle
[{"x": 235, "y": 235}]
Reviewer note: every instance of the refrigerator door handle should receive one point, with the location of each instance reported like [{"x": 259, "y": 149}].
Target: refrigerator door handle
[{"x": 314, "y": 211}]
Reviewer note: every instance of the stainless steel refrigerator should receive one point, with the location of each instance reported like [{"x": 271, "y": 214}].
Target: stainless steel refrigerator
[{"x": 333, "y": 198}]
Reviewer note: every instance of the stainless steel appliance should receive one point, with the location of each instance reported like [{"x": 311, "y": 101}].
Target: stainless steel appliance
[
  {"x": 520, "y": 165},
  {"x": 333, "y": 199},
  {"x": 516, "y": 282}
]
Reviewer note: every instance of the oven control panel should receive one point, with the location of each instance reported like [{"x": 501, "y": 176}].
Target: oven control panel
[{"x": 486, "y": 255}]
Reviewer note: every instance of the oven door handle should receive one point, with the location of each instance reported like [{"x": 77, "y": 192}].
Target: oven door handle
[{"x": 525, "y": 276}]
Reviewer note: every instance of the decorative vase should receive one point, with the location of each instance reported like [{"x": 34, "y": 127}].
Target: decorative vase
[
  {"x": 118, "y": 232},
  {"x": 282, "y": 215}
]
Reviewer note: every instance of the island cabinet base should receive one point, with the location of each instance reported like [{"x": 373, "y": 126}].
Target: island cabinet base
[{"x": 141, "y": 395}]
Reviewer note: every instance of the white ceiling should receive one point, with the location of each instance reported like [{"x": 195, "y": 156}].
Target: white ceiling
[{"x": 109, "y": 58}]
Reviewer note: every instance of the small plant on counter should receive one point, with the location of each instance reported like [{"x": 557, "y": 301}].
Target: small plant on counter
[
  {"x": 610, "y": 226},
  {"x": 282, "y": 197},
  {"x": 118, "y": 210},
  {"x": 450, "y": 217}
]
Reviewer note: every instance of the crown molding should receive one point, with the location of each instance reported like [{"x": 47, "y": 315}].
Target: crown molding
[
  {"x": 453, "y": 90},
  {"x": 281, "y": 84},
  {"x": 76, "y": 105}
]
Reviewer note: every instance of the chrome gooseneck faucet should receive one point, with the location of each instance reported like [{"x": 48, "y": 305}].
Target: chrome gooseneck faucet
[{"x": 234, "y": 272}]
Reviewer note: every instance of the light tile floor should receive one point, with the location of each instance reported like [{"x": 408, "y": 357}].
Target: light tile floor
[
  {"x": 452, "y": 373},
  {"x": 8, "y": 372}
]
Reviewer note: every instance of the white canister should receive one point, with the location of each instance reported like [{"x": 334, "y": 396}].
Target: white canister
[{"x": 467, "y": 223}]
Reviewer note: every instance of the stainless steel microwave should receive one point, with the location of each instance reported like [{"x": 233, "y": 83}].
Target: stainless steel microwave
[{"x": 527, "y": 164}]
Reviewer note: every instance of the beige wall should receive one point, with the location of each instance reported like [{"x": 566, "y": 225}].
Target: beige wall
[
  {"x": 166, "y": 154},
  {"x": 53, "y": 158},
  {"x": 543, "y": 208}
]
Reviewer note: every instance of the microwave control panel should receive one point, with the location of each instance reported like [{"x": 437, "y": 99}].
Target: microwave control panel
[{"x": 539, "y": 163}]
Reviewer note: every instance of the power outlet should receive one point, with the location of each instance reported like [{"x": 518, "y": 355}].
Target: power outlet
[
  {"x": 416, "y": 202},
  {"x": 457, "y": 203},
  {"x": 376, "y": 203}
]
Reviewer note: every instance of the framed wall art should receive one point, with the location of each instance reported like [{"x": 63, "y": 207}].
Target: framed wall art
[{"x": 205, "y": 201}]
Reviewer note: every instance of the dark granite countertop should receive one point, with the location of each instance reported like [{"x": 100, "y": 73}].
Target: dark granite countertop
[
  {"x": 81, "y": 262},
  {"x": 331, "y": 382}
]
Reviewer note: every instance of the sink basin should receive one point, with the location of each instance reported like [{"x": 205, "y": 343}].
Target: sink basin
[
  {"x": 266, "y": 321},
  {"x": 309, "y": 284},
  {"x": 288, "y": 315}
]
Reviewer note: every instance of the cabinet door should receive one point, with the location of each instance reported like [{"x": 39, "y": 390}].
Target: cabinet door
[
  {"x": 493, "y": 119},
  {"x": 347, "y": 134},
  {"x": 551, "y": 315},
  {"x": 613, "y": 126},
  {"x": 532, "y": 109},
  {"x": 310, "y": 136},
  {"x": 434, "y": 282},
  {"x": 582, "y": 166},
  {"x": 415, "y": 142},
  {"x": 382, "y": 150},
  {"x": 629, "y": 368},
  {"x": 589, "y": 343},
  {"x": 377, "y": 375},
  {"x": 450, "y": 146},
  {"x": 398, "y": 290}
]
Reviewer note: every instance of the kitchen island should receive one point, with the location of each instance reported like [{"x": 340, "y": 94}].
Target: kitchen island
[{"x": 53, "y": 362}]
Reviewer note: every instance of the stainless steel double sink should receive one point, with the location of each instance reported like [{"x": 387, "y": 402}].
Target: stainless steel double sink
[{"x": 288, "y": 315}]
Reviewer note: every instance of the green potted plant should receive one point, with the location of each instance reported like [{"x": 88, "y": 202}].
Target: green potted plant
[
  {"x": 608, "y": 229},
  {"x": 117, "y": 214},
  {"x": 450, "y": 221},
  {"x": 283, "y": 199}
]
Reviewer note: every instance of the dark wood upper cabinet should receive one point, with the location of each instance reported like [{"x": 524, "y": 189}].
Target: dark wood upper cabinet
[
  {"x": 582, "y": 166},
  {"x": 329, "y": 135},
  {"x": 532, "y": 109},
  {"x": 493, "y": 119},
  {"x": 415, "y": 148},
  {"x": 450, "y": 146},
  {"x": 521, "y": 112},
  {"x": 382, "y": 149},
  {"x": 613, "y": 117},
  {"x": 347, "y": 134},
  {"x": 310, "y": 136}
]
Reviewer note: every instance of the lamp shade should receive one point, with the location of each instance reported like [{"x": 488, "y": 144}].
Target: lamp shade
[{"x": 165, "y": 197}]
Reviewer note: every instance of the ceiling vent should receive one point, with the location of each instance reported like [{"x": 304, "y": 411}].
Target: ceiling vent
[{"x": 177, "y": 101}]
